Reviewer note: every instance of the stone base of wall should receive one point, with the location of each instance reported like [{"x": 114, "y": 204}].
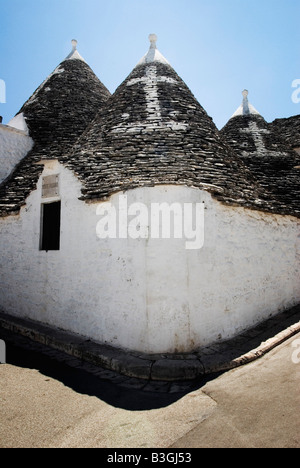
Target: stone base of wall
[{"x": 219, "y": 357}]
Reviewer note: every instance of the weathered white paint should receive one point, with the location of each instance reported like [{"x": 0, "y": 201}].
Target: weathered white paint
[
  {"x": 149, "y": 295},
  {"x": 14, "y": 145},
  {"x": 257, "y": 135}
]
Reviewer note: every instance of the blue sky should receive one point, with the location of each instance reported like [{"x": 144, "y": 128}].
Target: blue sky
[{"x": 218, "y": 47}]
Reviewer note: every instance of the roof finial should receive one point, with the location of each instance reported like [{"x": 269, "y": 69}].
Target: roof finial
[
  {"x": 246, "y": 110},
  {"x": 153, "y": 40},
  {"x": 74, "y": 44},
  {"x": 74, "y": 52},
  {"x": 153, "y": 54}
]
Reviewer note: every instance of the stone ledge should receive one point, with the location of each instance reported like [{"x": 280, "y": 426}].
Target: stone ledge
[{"x": 218, "y": 357}]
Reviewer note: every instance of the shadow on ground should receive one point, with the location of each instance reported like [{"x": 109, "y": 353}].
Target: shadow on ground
[
  {"x": 120, "y": 395},
  {"x": 133, "y": 394}
]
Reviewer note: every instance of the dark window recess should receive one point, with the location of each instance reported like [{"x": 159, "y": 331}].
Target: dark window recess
[{"x": 51, "y": 226}]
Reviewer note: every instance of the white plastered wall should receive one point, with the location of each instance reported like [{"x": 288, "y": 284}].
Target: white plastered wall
[
  {"x": 14, "y": 145},
  {"x": 149, "y": 295}
]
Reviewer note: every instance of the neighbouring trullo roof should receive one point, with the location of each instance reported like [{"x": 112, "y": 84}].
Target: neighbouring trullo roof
[
  {"x": 269, "y": 157},
  {"x": 289, "y": 130},
  {"x": 56, "y": 115},
  {"x": 151, "y": 131}
]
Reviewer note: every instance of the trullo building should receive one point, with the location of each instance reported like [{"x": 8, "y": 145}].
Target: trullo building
[{"x": 88, "y": 184}]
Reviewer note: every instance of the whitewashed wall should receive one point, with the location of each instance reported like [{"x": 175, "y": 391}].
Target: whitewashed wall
[
  {"x": 149, "y": 295},
  {"x": 14, "y": 145}
]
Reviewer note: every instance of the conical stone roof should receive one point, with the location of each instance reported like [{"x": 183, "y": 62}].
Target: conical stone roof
[
  {"x": 56, "y": 115},
  {"x": 153, "y": 131},
  {"x": 66, "y": 102},
  {"x": 268, "y": 156}
]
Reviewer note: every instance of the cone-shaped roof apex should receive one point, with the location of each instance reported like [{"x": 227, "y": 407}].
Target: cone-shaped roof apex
[
  {"x": 56, "y": 115},
  {"x": 65, "y": 103}
]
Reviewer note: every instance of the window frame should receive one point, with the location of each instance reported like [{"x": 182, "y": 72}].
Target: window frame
[{"x": 42, "y": 246}]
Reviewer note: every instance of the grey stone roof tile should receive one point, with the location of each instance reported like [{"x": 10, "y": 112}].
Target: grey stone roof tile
[
  {"x": 151, "y": 131},
  {"x": 288, "y": 129}
]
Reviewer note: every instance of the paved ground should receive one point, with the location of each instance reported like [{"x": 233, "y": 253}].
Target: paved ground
[
  {"x": 46, "y": 403},
  {"x": 256, "y": 406}
]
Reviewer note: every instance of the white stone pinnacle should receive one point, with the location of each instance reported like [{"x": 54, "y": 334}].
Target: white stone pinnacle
[
  {"x": 153, "y": 54},
  {"x": 74, "y": 54},
  {"x": 74, "y": 44},
  {"x": 245, "y": 108},
  {"x": 153, "y": 40}
]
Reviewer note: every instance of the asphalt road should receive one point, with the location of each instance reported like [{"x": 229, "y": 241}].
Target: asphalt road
[{"x": 44, "y": 404}]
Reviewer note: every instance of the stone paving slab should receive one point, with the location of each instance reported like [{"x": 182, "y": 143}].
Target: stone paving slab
[{"x": 121, "y": 366}]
